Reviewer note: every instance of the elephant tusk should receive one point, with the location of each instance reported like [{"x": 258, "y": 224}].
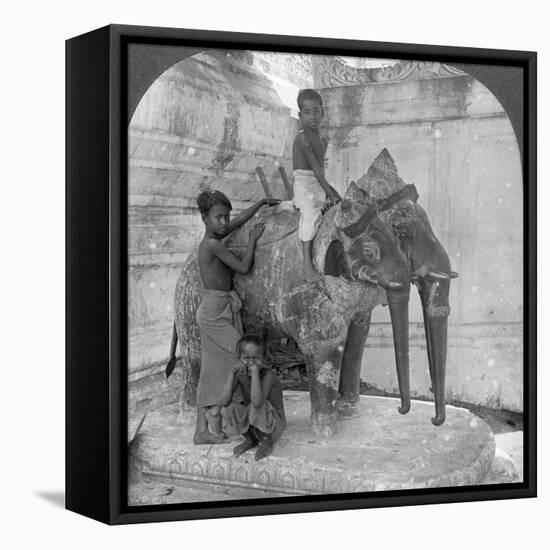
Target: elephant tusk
[
  {"x": 438, "y": 275},
  {"x": 454, "y": 274}
]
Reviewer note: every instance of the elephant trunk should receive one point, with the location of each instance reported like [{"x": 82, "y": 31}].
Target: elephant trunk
[
  {"x": 399, "y": 312},
  {"x": 435, "y": 305}
]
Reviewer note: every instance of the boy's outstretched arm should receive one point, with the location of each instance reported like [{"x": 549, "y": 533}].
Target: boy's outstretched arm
[
  {"x": 229, "y": 259},
  {"x": 245, "y": 215}
]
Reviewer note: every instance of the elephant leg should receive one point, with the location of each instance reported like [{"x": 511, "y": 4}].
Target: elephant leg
[
  {"x": 350, "y": 378},
  {"x": 323, "y": 367}
]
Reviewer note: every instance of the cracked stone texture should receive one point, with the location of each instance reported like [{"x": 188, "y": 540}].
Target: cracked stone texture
[{"x": 376, "y": 451}]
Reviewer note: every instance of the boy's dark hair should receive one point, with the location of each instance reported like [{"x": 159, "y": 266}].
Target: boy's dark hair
[
  {"x": 310, "y": 94},
  {"x": 249, "y": 339},
  {"x": 207, "y": 199}
]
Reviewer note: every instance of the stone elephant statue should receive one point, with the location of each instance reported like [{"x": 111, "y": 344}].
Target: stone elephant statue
[
  {"x": 362, "y": 250},
  {"x": 430, "y": 270}
]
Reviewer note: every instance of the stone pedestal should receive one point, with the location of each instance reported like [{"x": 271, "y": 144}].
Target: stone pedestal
[{"x": 377, "y": 451}]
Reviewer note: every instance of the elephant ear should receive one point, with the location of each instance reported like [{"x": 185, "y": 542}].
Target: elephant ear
[{"x": 336, "y": 262}]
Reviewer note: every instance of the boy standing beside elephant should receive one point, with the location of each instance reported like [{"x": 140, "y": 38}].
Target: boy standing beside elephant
[
  {"x": 311, "y": 189},
  {"x": 218, "y": 315}
]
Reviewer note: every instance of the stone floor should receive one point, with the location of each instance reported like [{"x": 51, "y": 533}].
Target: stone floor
[{"x": 377, "y": 451}]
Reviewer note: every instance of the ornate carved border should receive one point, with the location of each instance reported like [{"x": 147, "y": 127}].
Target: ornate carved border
[{"x": 333, "y": 71}]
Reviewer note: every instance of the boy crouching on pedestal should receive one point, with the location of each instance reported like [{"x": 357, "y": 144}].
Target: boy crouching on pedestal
[{"x": 253, "y": 400}]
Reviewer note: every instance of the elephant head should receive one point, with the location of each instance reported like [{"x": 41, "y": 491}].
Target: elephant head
[
  {"x": 367, "y": 252},
  {"x": 365, "y": 249},
  {"x": 431, "y": 273},
  {"x": 429, "y": 269}
]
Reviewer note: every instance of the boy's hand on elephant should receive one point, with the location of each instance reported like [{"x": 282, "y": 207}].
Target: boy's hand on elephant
[
  {"x": 333, "y": 196},
  {"x": 329, "y": 203},
  {"x": 332, "y": 199}
]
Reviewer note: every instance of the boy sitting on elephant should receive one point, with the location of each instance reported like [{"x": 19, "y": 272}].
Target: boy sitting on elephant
[
  {"x": 311, "y": 189},
  {"x": 252, "y": 400},
  {"x": 218, "y": 315}
]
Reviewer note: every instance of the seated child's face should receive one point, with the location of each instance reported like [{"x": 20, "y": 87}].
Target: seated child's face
[
  {"x": 252, "y": 354},
  {"x": 217, "y": 219},
  {"x": 311, "y": 114}
]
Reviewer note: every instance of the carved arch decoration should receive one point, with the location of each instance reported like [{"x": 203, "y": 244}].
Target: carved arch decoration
[{"x": 333, "y": 71}]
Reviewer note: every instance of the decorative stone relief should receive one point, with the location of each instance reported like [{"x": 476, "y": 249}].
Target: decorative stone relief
[{"x": 333, "y": 71}]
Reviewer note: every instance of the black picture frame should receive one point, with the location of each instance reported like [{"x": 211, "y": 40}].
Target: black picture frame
[{"x": 98, "y": 109}]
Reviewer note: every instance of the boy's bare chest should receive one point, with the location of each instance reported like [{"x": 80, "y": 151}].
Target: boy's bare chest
[
  {"x": 215, "y": 275},
  {"x": 319, "y": 148}
]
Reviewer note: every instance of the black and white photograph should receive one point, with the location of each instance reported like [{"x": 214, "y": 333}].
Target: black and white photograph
[
  {"x": 325, "y": 275},
  {"x": 275, "y": 275}
]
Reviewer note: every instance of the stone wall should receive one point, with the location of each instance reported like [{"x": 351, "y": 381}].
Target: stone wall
[{"x": 450, "y": 137}]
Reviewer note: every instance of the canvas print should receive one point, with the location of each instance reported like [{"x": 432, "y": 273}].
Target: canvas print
[{"x": 325, "y": 276}]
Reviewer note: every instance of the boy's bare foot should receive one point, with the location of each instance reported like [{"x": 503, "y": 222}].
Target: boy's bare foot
[
  {"x": 206, "y": 438},
  {"x": 310, "y": 275},
  {"x": 212, "y": 419},
  {"x": 248, "y": 443},
  {"x": 265, "y": 448}
]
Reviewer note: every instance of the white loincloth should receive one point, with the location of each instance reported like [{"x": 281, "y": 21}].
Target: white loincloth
[{"x": 309, "y": 198}]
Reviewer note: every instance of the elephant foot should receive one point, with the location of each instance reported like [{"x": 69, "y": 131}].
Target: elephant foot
[
  {"x": 349, "y": 408},
  {"x": 324, "y": 424},
  {"x": 438, "y": 419}
]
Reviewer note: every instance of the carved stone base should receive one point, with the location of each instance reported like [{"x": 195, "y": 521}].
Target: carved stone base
[{"x": 377, "y": 451}]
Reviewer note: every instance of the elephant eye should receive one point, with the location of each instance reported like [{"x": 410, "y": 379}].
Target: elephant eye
[
  {"x": 371, "y": 251},
  {"x": 402, "y": 231}
]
